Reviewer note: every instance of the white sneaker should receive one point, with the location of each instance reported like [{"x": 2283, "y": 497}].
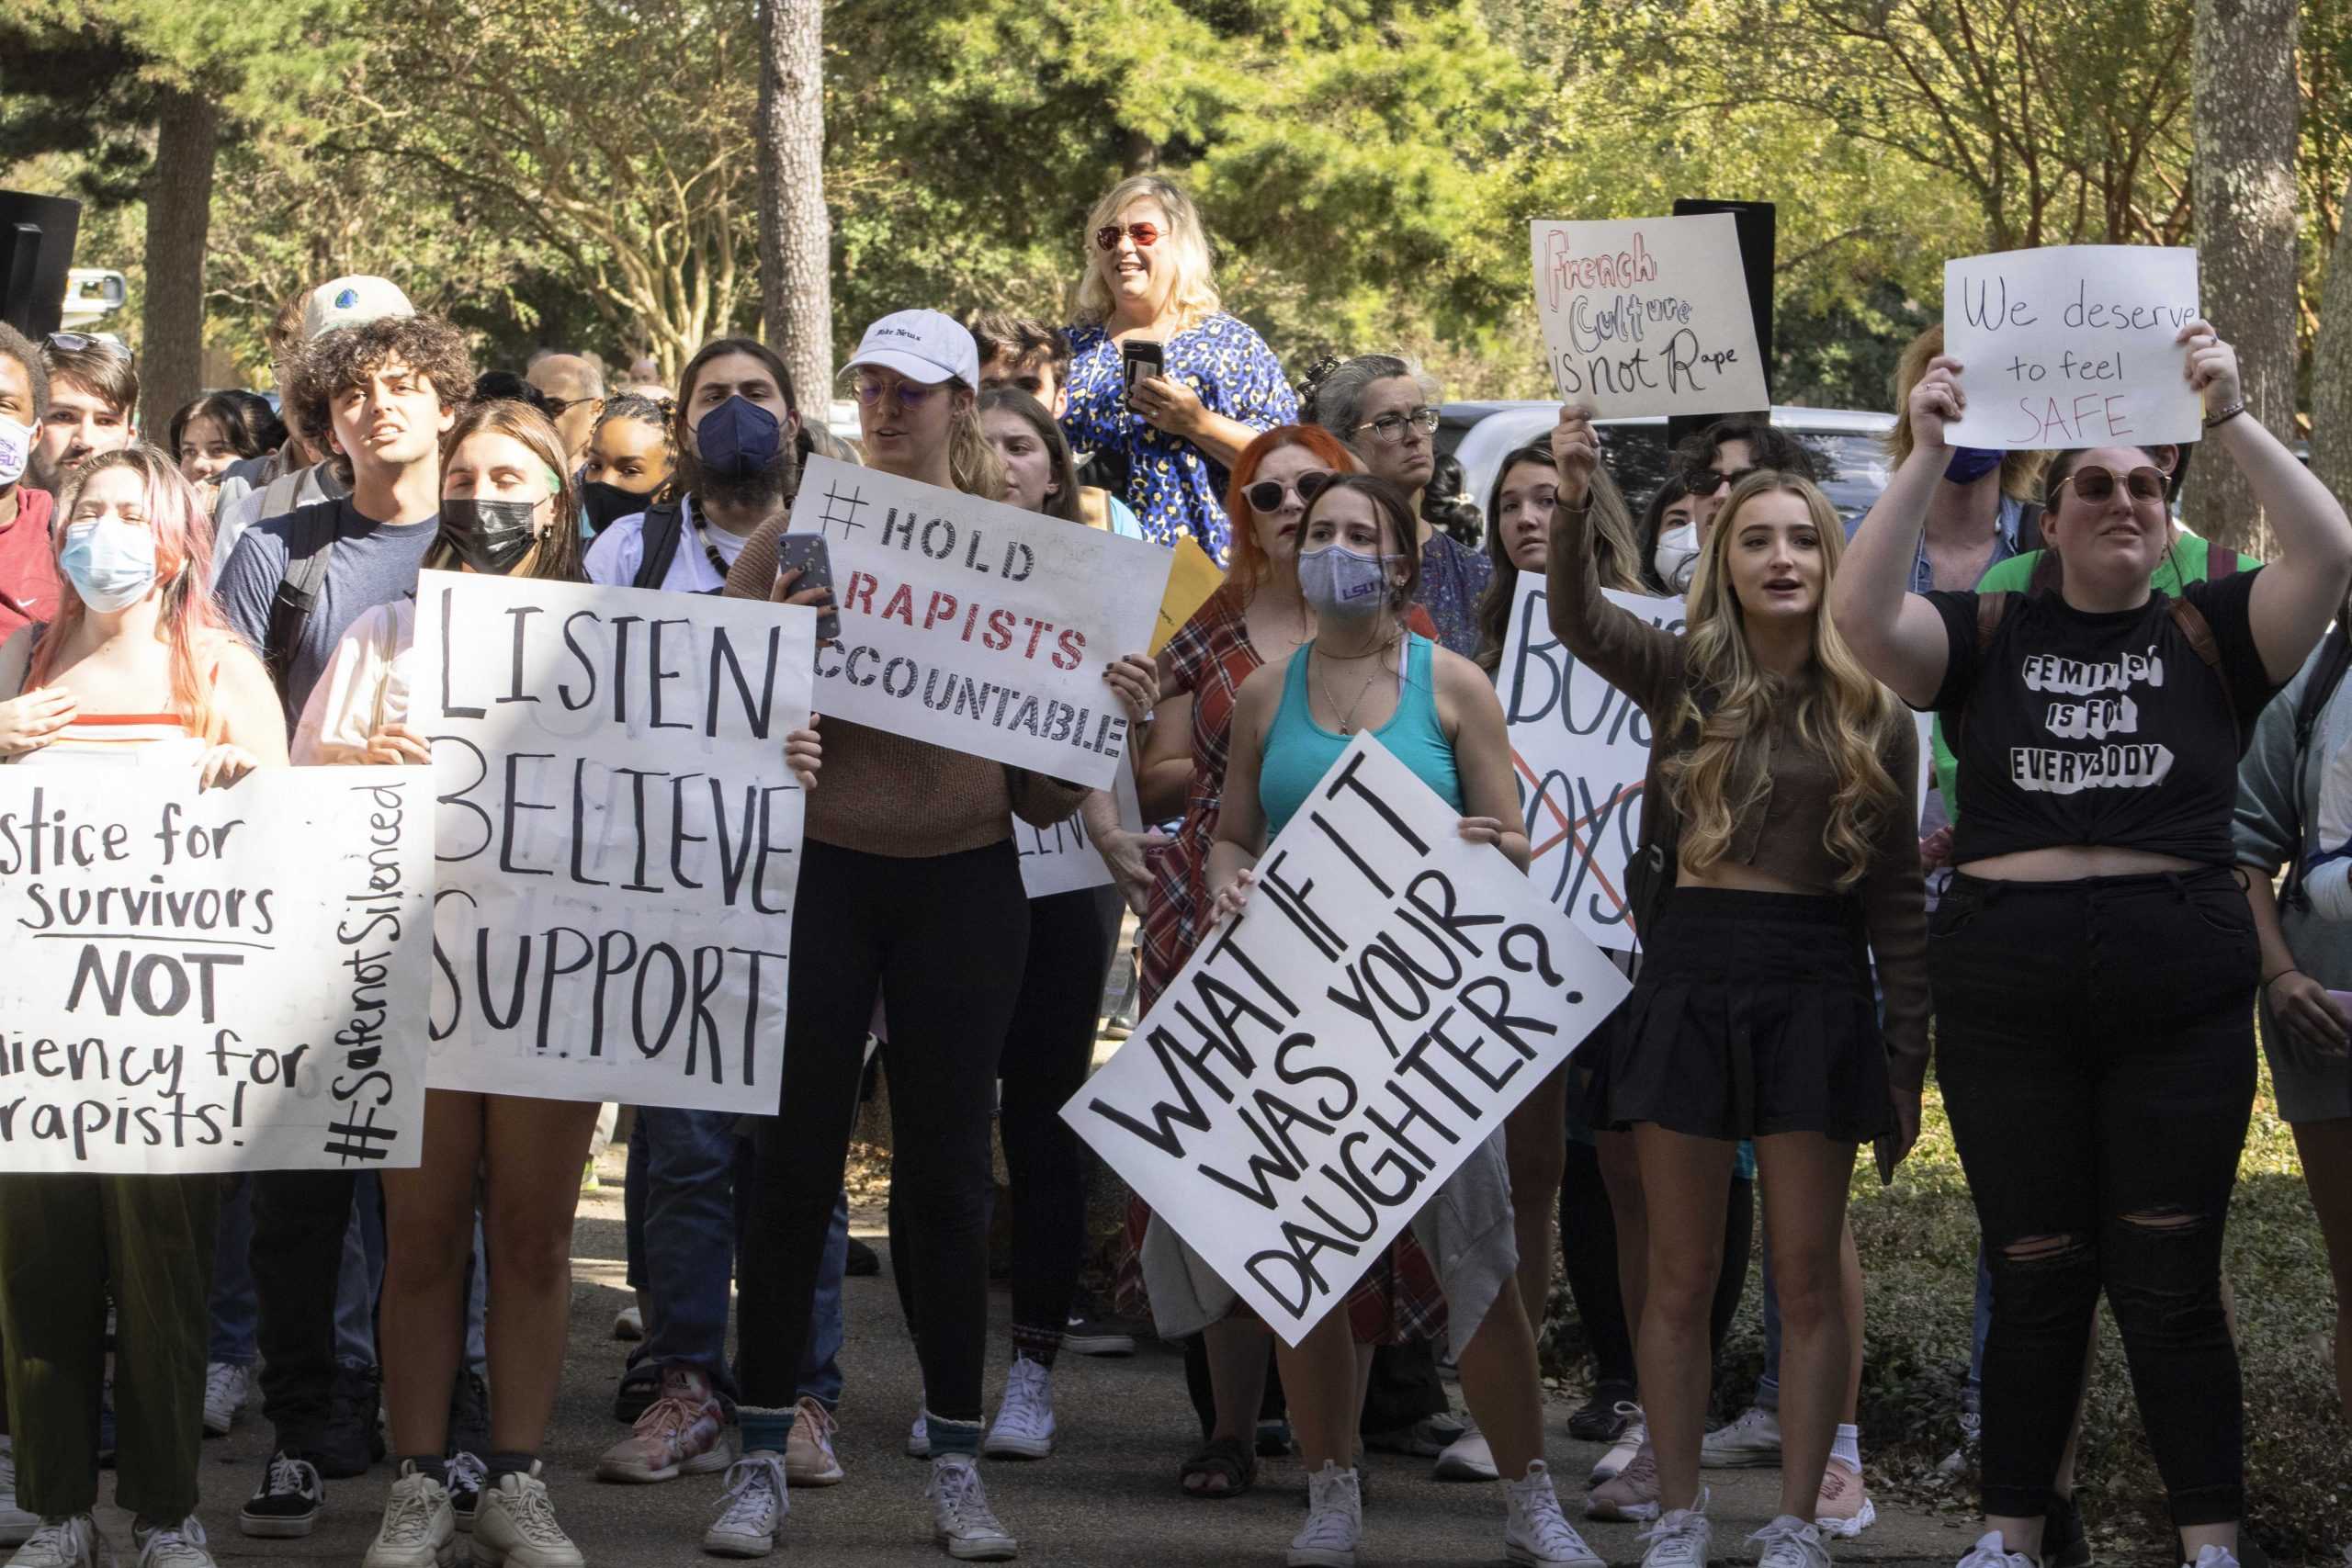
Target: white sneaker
[
  {"x": 1988, "y": 1552},
  {"x": 1791, "y": 1543},
  {"x": 1535, "y": 1533},
  {"x": 514, "y": 1525},
  {"x": 16, "y": 1526},
  {"x": 1468, "y": 1457},
  {"x": 919, "y": 1435},
  {"x": 2222, "y": 1557},
  {"x": 1629, "y": 1442},
  {"x": 1334, "y": 1521},
  {"x": 1025, "y": 1421},
  {"x": 1753, "y": 1440},
  {"x": 227, "y": 1388},
  {"x": 72, "y": 1542},
  {"x": 1679, "y": 1539},
  {"x": 628, "y": 1323},
  {"x": 175, "y": 1546},
  {"x": 959, "y": 1513},
  {"x": 753, "y": 1508},
  {"x": 419, "y": 1529}
]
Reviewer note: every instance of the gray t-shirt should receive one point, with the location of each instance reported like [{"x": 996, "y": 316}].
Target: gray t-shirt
[{"x": 375, "y": 563}]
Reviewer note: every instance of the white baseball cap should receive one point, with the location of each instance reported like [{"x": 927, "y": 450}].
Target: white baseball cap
[
  {"x": 351, "y": 302},
  {"x": 922, "y": 346}
]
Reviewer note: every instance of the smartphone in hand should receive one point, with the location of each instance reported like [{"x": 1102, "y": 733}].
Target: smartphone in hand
[
  {"x": 1139, "y": 357},
  {"x": 807, "y": 554}
]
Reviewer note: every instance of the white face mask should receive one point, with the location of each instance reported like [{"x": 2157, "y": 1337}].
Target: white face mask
[
  {"x": 16, "y": 449},
  {"x": 1677, "y": 555}
]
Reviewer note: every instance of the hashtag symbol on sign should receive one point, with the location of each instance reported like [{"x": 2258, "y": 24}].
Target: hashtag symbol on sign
[
  {"x": 354, "y": 1139},
  {"x": 841, "y": 511}
]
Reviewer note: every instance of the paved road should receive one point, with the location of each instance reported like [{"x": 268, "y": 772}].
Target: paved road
[{"x": 1106, "y": 1499}]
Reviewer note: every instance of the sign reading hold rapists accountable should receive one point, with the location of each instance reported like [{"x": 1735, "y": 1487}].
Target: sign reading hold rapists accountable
[
  {"x": 232, "y": 980},
  {"x": 1648, "y": 315},
  {"x": 978, "y": 626},
  {"x": 1325, "y": 1061},
  {"x": 619, "y": 838}
]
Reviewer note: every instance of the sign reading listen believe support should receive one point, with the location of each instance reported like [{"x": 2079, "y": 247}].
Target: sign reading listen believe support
[
  {"x": 978, "y": 626},
  {"x": 1648, "y": 315},
  {"x": 1330, "y": 1057},
  {"x": 619, "y": 838},
  {"x": 232, "y": 980},
  {"x": 2073, "y": 345}
]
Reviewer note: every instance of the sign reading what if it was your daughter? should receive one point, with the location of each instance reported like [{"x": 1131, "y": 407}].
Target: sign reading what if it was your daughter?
[{"x": 1648, "y": 315}]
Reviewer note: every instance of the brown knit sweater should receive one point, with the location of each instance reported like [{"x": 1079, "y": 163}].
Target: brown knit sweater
[{"x": 886, "y": 795}]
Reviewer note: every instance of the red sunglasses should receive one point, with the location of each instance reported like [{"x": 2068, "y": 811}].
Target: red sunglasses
[{"x": 1144, "y": 235}]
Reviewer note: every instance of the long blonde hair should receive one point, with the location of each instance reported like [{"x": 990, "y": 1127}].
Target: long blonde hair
[
  {"x": 1192, "y": 290},
  {"x": 972, "y": 463},
  {"x": 1840, "y": 710}
]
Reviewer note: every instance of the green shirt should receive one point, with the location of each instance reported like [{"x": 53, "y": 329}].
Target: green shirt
[{"x": 2184, "y": 562}]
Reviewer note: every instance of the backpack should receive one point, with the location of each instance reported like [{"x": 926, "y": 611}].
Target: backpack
[
  {"x": 664, "y": 525},
  {"x": 2327, "y": 674},
  {"x": 309, "y": 553}
]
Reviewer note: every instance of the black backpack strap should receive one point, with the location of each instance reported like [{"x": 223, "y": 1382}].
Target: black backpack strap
[
  {"x": 662, "y": 527},
  {"x": 2048, "y": 568},
  {"x": 309, "y": 553},
  {"x": 2327, "y": 674}
]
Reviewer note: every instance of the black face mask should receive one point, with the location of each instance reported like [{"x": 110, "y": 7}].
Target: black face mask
[
  {"x": 602, "y": 504},
  {"x": 489, "y": 535}
]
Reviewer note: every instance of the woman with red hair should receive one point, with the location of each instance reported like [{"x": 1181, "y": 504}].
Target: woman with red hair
[{"x": 140, "y": 669}]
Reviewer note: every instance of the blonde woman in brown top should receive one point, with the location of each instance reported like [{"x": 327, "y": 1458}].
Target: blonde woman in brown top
[{"x": 1792, "y": 775}]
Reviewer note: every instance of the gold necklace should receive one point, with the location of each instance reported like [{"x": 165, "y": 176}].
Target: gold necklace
[{"x": 1347, "y": 719}]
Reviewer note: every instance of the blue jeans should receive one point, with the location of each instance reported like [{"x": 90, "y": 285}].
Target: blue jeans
[
  {"x": 1983, "y": 1324},
  {"x": 684, "y": 1170},
  {"x": 236, "y": 1309},
  {"x": 361, "y": 1283}
]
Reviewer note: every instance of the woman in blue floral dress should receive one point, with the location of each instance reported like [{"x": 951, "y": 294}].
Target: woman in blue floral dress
[{"x": 1148, "y": 276}]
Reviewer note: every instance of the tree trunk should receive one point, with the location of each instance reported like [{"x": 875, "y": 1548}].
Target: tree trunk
[
  {"x": 796, "y": 234},
  {"x": 2332, "y": 368},
  {"x": 2243, "y": 186},
  {"x": 179, "y": 211}
]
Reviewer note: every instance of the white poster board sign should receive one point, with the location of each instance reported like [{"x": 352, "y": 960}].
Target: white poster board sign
[
  {"x": 2072, "y": 346},
  {"x": 1582, "y": 749},
  {"x": 619, "y": 838},
  {"x": 978, "y": 626},
  {"x": 232, "y": 980},
  {"x": 1648, "y": 315},
  {"x": 1329, "y": 1058},
  {"x": 1062, "y": 858}
]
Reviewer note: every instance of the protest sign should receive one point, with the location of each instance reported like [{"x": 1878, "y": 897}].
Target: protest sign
[
  {"x": 1580, "y": 747},
  {"x": 2072, "y": 346},
  {"x": 975, "y": 626},
  {"x": 1191, "y": 577},
  {"x": 230, "y": 980},
  {"x": 1648, "y": 315},
  {"x": 1325, "y": 1061},
  {"x": 619, "y": 838},
  {"x": 1062, "y": 858}
]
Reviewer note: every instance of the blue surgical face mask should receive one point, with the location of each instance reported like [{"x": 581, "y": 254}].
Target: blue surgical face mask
[
  {"x": 1970, "y": 464},
  {"x": 110, "y": 563},
  {"x": 1336, "y": 581},
  {"x": 738, "y": 440}
]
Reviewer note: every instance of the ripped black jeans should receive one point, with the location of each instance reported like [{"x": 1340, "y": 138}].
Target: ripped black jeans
[{"x": 2095, "y": 1045}]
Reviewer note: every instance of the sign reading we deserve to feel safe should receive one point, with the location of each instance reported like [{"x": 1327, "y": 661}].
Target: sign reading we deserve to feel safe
[
  {"x": 232, "y": 980},
  {"x": 1332, "y": 1055},
  {"x": 975, "y": 626},
  {"x": 618, "y": 838},
  {"x": 1648, "y": 315}
]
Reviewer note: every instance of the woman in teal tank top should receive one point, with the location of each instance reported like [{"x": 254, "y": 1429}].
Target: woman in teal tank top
[{"x": 1434, "y": 710}]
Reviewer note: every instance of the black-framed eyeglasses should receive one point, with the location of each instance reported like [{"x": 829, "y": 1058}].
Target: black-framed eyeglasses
[
  {"x": 78, "y": 343},
  {"x": 557, "y": 407},
  {"x": 1391, "y": 426},
  {"x": 1266, "y": 495},
  {"x": 2096, "y": 484}
]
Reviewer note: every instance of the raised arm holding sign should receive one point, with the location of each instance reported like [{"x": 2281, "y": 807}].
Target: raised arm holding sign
[{"x": 1648, "y": 315}]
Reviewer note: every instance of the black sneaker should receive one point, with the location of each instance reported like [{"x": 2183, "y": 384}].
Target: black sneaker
[
  {"x": 863, "y": 1261},
  {"x": 469, "y": 1417},
  {"x": 2064, "y": 1542},
  {"x": 1086, "y": 1334},
  {"x": 465, "y": 1477},
  {"x": 352, "y": 1440},
  {"x": 640, "y": 1386},
  {"x": 287, "y": 1501},
  {"x": 1600, "y": 1420}
]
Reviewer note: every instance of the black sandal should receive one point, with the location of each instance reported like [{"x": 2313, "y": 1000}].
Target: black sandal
[{"x": 1229, "y": 1457}]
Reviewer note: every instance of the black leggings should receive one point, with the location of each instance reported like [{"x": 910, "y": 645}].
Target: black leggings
[
  {"x": 942, "y": 941},
  {"x": 1047, "y": 1052},
  {"x": 2094, "y": 1044},
  {"x": 1588, "y": 1259}
]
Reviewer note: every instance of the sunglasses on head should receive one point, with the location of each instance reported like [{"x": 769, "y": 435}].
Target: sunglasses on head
[
  {"x": 2096, "y": 484},
  {"x": 1144, "y": 235},
  {"x": 1266, "y": 495},
  {"x": 75, "y": 343}
]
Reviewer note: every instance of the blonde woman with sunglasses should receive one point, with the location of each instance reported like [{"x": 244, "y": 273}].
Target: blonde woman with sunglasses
[{"x": 2094, "y": 961}]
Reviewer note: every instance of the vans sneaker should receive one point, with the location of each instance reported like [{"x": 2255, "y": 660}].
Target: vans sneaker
[
  {"x": 959, "y": 1512},
  {"x": 753, "y": 1510},
  {"x": 419, "y": 1530},
  {"x": 1025, "y": 1421},
  {"x": 286, "y": 1503},
  {"x": 1334, "y": 1521},
  {"x": 1535, "y": 1533},
  {"x": 514, "y": 1526}
]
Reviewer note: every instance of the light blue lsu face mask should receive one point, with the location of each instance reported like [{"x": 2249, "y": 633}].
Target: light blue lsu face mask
[
  {"x": 110, "y": 563},
  {"x": 1338, "y": 581}
]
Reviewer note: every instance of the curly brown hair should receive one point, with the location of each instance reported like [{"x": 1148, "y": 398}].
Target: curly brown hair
[{"x": 346, "y": 357}]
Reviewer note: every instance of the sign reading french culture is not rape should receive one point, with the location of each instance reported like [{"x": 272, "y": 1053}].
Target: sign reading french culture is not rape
[
  {"x": 975, "y": 626},
  {"x": 1648, "y": 315},
  {"x": 1329, "y": 1058}
]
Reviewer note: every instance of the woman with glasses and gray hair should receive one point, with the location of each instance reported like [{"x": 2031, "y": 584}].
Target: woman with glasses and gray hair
[
  {"x": 1203, "y": 383},
  {"x": 1385, "y": 410}
]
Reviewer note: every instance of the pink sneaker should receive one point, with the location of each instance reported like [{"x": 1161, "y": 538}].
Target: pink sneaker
[{"x": 681, "y": 1433}]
